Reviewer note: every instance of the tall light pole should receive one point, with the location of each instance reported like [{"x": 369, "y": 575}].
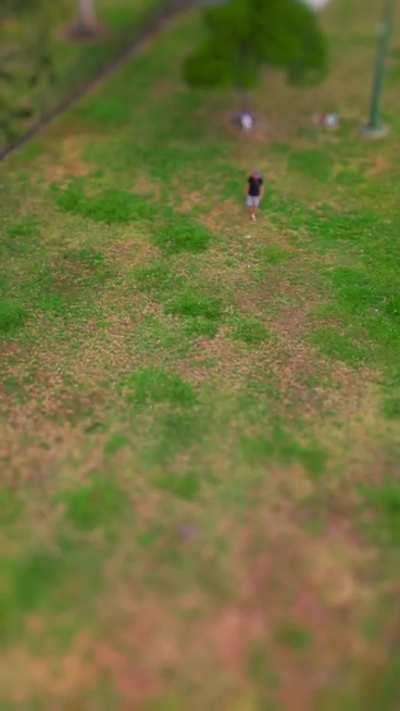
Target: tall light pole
[{"x": 374, "y": 125}]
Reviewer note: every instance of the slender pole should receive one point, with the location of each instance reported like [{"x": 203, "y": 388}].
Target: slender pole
[{"x": 385, "y": 32}]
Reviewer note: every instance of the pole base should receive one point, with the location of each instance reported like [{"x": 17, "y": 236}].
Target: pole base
[{"x": 370, "y": 131}]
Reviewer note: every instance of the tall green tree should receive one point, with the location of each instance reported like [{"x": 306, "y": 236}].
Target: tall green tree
[{"x": 243, "y": 36}]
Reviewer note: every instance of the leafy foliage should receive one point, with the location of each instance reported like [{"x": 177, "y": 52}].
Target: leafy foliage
[
  {"x": 27, "y": 69},
  {"x": 244, "y": 35}
]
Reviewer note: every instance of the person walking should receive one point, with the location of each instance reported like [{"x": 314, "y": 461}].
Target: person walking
[{"x": 254, "y": 193}]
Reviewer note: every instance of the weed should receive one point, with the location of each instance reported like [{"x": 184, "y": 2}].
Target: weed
[{"x": 151, "y": 385}]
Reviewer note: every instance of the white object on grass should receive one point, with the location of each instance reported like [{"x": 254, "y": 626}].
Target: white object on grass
[{"x": 246, "y": 121}]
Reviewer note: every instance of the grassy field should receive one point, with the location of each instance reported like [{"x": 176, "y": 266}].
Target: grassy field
[{"x": 199, "y": 417}]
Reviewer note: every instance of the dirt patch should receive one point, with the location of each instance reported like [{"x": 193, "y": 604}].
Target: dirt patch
[{"x": 67, "y": 162}]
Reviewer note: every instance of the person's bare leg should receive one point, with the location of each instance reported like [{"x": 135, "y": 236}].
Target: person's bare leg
[{"x": 254, "y": 213}]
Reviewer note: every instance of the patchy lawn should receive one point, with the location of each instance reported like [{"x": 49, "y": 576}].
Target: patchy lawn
[{"x": 199, "y": 417}]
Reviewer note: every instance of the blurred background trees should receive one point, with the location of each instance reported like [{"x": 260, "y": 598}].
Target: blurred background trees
[
  {"x": 41, "y": 64},
  {"x": 243, "y": 36},
  {"x": 27, "y": 69}
]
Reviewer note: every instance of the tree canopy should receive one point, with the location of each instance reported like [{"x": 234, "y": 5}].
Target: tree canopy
[{"x": 242, "y": 36}]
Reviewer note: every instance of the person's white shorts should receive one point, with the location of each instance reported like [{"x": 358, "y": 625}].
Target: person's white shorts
[{"x": 253, "y": 200}]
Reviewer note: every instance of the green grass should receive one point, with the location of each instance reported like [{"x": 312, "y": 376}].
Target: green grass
[
  {"x": 12, "y": 316},
  {"x": 151, "y": 385},
  {"x": 185, "y": 486},
  {"x": 182, "y": 234},
  {"x": 35, "y": 577},
  {"x": 199, "y": 416},
  {"x": 116, "y": 442},
  {"x": 280, "y": 446},
  {"x": 294, "y": 637},
  {"x": 272, "y": 255},
  {"x": 106, "y": 111},
  {"x": 110, "y": 206},
  {"x": 250, "y": 331},
  {"x": 192, "y": 304},
  {"x": 311, "y": 163},
  {"x": 339, "y": 347},
  {"x": 94, "y": 505},
  {"x": 156, "y": 278},
  {"x": 27, "y": 227},
  {"x": 385, "y": 503},
  {"x": 391, "y": 408},
  {"x": 10, "y": 507}
]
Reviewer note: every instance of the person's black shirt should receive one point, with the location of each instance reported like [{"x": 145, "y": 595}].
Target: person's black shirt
[{"x": 255, "y": 186}]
